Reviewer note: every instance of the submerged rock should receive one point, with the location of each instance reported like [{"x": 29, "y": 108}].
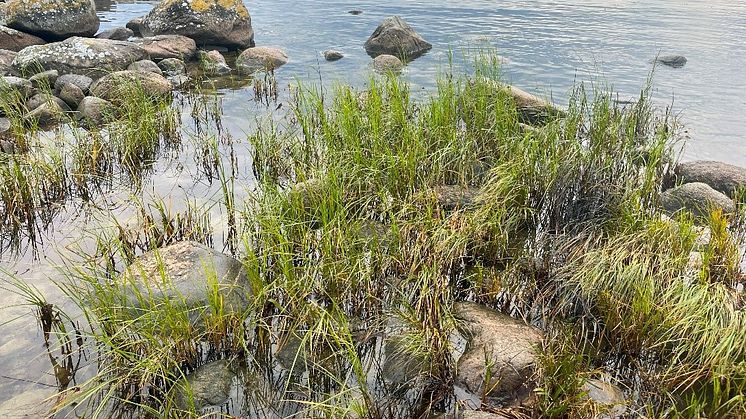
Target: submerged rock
[
  {"x": 261, "y": 59},
  {"x": 13, "y": 40},
  {"x": 208, "y": 22},
  {"x": 89, "y": 56},
  {"x": 395, "y": 37},
  {"x": 116, "y": 86},
  {"x": 608, "y": 396},
  {"x": 208, "y": 385},
  {"x": 507, "y": 344},
  {"x": 160, "y": 47},
  {"x": 696, "y": 197},
  {"x": 675, "y": 61},
  {"x": 213, "y": 63},
  {"x": 722, "y": 177},
  {"x": 385, "y": 63},
  {"x": 94, "y": 111},
  {"x": 453, "y": 197},
  {"x": 52, "y": 19},
  {"x": 145, "y": 65},
  {"x": 117, "y": 34},
  {"x": 179, "y": 273},
  {"x": 333, "y": 55}
]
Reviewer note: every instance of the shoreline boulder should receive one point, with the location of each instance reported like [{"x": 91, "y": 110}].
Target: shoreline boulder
[
  {"x": 13, "y": 40},
  {"x": 697, "y": 197},
  {"x": 53, "y": 19},
  {"x": 722, "y": 177},
  {"x": 88, "y": 56},
  {"x": 208, "y": 22},
  {"x": 395, "y": 37},
  {"x": 261, "y": 59},
  {"x": 507, "y": 344}
]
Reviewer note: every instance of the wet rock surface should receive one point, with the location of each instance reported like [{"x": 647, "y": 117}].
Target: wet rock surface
[
  {"x": 89, "y": 56},
  {"x": 333, "y": 55},
  {"x": 208, "y": 22},
  {"x": 675, "y": 61},
  {"x": 53, "y": 19},
  {"x": 13, "y": 40},
  {"x": 172, "y": 66},
  {"x": 696, "y": 197},
  {"x": 722, "y": 177},
  {"x": 395, "y": 37},
  {"x": 506, "y": 344},
  {"x": 261, "y": 59},
  {"x": 208, "y": 385},
  {"x": 160, "y": 47},
  {"x": 186, "y": 266}
]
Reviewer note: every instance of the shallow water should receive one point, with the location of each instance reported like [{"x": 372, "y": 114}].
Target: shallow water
[{"x": 548, "y": 45}]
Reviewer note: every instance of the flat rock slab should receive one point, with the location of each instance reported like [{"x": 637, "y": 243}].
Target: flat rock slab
[
  {"x": 161, "y": 47},
  {"x": 507, "y": 344},
  {"x": 395, "y": 37},
  {"x": 722, "y": 177},
  {"x": 88, "y": 56},
  {"x": 698, "y": 198},
  {"x": 184, "y": 273}
]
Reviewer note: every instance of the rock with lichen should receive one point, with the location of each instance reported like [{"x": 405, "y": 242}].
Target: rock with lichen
[
  {"x": 208, "y": 22},
  {"x": 52, "y": 19}
]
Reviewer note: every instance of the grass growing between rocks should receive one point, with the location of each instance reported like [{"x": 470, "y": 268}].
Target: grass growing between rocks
[{"x": 376, "y": 212}]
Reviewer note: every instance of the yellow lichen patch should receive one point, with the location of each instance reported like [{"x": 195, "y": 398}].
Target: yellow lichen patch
[
  {"x": 236, "y": 5},
  {"x": 202, "y": 6}
]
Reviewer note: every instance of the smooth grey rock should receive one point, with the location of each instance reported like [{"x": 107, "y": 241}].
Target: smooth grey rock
[
  {"x": 261, "y": 59},
  {"x": 45, "y": 79},
  {"x": 46, "y": 115},
  {"x": 17, "y": 87},
  {"x": 116, "y": 86},
  {"x": 186, "y": 267},
  {"x": 118, "y": 34},
  {"x": 675, "y": 61},
  {"x": 208, "y": 22},
  {"x": 89, "y": 56},
  {"x": 696, "y": 197},
  {"x": 52, "y": 19},
  {"x": 71, "y": 94},
  {"x": 41, "y": 98},
  {"x": 136, "y": 26},
  {"x": 355, "y": 12},
  {"x": 395, "y": 37},
  {"x": 94, "y": 111},
  {"x": 160, "y": 47},
  {"x": 4, "y": 127},
  {"x": 208, "y": 385},
  {"x": 722, "y": 177},
  {"x": 386, "y": 63},
  {"x": 333, "y": 55},
  {"x": 508, "y": 344},
  {"x": 172, "y": 66},
  {"x": 608, "y": 396},
  {"x": 145, "y": 65},
  {"x": 83, "y": 82},
  {"x": 13, "y": 40},
  {"x": 213, "y": 63}
]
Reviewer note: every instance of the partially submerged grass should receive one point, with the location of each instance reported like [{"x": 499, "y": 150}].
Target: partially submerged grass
[{"x": 349, "y": 251}]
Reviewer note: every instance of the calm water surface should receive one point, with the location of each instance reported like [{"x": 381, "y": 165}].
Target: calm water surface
[{"x": 548, "y": 46}]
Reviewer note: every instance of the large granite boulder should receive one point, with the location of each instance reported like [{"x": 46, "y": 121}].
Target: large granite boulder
[
  {"x": 182, "y": 273},
  {"x": 13, "y": 40},
  {"x": 208, "y": 22},
  {"x": 395, "y": 37},
  {"x": 698, "y": 198},
  {"x": 88, "y": 56},
  {"x": 116, "y": 86},
  {"x": 261, "y": 59},
  {"x": 53, "y": 19},
  {"x": 722, "y": 177},
  {"x": 506, "y": 344},
  {"x": 161, "y": 47}
]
